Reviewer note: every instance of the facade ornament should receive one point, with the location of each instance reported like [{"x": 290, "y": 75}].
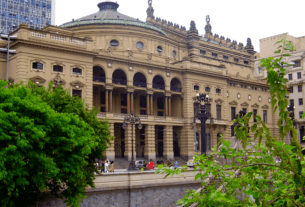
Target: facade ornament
[
  {"x": 208, "y": 27},
  {"x": 237, "y": 75},
  {"x": 150, "y": 56},
  {"x": 233, "y": 103},
  {"x": 245, "y": 104},
  {"x": 228, "y": 40},
  {"x": 249, "y": 97},
  {"x": 238, "y": 96},
  {"x": 249, "y": 48},
  {"x": 130, "y": 54},
  {"x": 193, "y": 27},
  {"x": 167, "y": 59},
  {"x": 269, "y": 100},
  {"x": 109, "y": 50},
  {"x": 77, "y": 85},
  {"x": 39, "y": 81},
  {"x": 248, "y": 76},
  {"x": 265, "y": 106},
  {"x": 259, "y": 99},
  {"x": 240, "y": 46},
  {"x": 255, "y": 105},
  {"x": 58, "y": 81},
  {"x": 219, "y": 101},
  {"x": 150, "y": 10}
]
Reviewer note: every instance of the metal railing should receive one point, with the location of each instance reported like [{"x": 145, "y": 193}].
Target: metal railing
[
  {"x": 173, "y": 88},
  {"x": 140, "y": 84},
  {"x": 119, "y": 81},
  {"x": 157, "y": 86},
  {"x": 99, "y": 79}
]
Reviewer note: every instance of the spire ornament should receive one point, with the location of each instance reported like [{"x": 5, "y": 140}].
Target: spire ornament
[
  {"x": 150, "y": 10},
  {"x": 208, "y": 27},
  {"x": 249, "y": 48}
]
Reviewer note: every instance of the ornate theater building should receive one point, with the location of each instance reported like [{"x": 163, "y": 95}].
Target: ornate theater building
[{"x": 153, "y": 69}]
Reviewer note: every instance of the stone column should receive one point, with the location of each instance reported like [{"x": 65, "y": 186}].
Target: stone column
[
  {"x": 128, "y": 102},
  {"x": 150, "y": 143},
  {"x": 166, "y": 106},
  {"x": 110, "y": 152},
  {"x": 148, "y": 105},
  {"x": 106, "y": 101},
  {"x": 182, "y": 107},
  {"x": 152, "y": 104},
  {"x": 110, "y": 101},
  {"x": 168, "y": 152},
  {"x": 170, "y": 106},
  {"x": 131, "y": 104},
  {"x": 128, "y": 142}
]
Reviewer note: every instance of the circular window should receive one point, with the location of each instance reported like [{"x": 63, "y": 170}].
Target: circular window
[
  {"x": 114, "y": 43},
  {"x": 174, "y": 53},
  {"x": 140, "y": 45},
  {"x": 159, "y": 49}
]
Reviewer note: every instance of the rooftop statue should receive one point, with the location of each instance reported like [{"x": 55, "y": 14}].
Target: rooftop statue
[
  {"x": 208, "y": 19},
  {"x": 150, "y": 3}
]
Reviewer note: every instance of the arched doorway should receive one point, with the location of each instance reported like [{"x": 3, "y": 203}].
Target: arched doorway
[
  {"x": 119, "y": 77},
  {"x": 139, "y": 80},
  {"x": 158, "y": 82},
  {"x": 98, "y": 74},
  {"x": 176, "y": 85}
]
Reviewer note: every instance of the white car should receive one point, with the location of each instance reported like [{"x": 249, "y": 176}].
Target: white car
[{"x": 139, "y": 163}]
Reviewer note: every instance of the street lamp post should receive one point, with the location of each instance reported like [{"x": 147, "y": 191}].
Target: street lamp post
[
  {"x": 204, "y": 115},
  {"x": 132, "y": 120}
]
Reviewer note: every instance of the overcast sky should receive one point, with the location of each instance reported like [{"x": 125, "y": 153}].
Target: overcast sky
[{"x": 235, "y": 19}]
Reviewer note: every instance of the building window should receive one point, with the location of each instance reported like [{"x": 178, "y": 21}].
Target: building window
[
  {"x": 196, "y": 108},
  {"x": 245, "y": 110},
  {"x": 114, "y": 43},
  {"x": 37, "y": 66},
  {"x": 77, "y": 71},
  {"x": 236, "y": 60},
  {"x": 246, "y": 62},
  {"x": 103, "y": 97},
  {"x": 218, "y": 112},
  {"x": 202, "y": 52},
  {"x": 196, "y": 88},
  {"x": 160, "y": 103},
  {"x": 297, "y": 63},
  {"x": 140, "y": 45},
  {"x": 290, "y": 89},
  {"x": 225, "y": 57},
  {"x": 233, "y": 113},
  {"x": 218, "y": 90},
  {"x": 160, "y": 113},
  {"x": 291, "y": 102},
  {"x": 289, "y": 76},
  {"x": 254, "y": 113},
  {"x": 123, "y": 99},
  {"x": 300, "y": 114},
  {"x": 300, "y": 101},
  {"x": 159, "y": 49},
  {"x": 265, "y": 116},
  {"x": 143, "y": 101},
  {"x": 207, "y": 89},
  {"x": 260, "y": 70},
  {"x": 214, "y": 54},
  {"x": 208, "y": 107},
  {"x": 58, "y": 68},
  {"x": 77, "y": 93},
  {"x": 299, "y": 75},
  {"x": 299, "y": 88}
]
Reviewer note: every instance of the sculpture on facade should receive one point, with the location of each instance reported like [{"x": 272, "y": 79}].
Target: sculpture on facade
[
  {"x": 150, "y": 10},
  {"x": 208, "y": 27}
]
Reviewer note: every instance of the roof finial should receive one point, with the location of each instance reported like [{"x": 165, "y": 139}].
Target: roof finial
[
  {"x": 208, "y": 19},
  {"x": 208, "y": 27},
  {"x": 150, "y": 10}
]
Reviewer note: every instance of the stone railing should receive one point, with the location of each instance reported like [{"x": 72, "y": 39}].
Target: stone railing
[
  {"x": 101, "y": 115},
  {"x": 38, "y": 34},
  {"x": 160, "y": 118},
  {"x": 58, "y": 38},
  {"x": 177, "y": 120}
]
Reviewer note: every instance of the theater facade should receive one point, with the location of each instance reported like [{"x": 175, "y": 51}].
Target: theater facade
[{"x": 153, "y": 69}]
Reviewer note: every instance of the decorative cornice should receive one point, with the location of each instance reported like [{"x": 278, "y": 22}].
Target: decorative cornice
[
  {"x": 38, "y": 80},
  {"x": 58, "y": 80},
  {"x": 233, "y": 103},
  {"x": 265, "y": 106},
  {"x": 219, "y": 101},
  {"x": 245, "y": 104},
  {"x": 77, "y": 85},
  {"x": 255, "y": 105}
]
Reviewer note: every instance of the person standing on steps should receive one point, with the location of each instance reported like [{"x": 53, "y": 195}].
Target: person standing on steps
[
  {"x": 176, "y": 164},
  {"x": 151, "y": 165},
  {"x": 106, "y": 166}
]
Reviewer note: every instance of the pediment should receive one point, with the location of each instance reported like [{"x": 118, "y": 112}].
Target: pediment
[
  {"x": 245, "y": 104},
  {"x": 38, "y": 80},
  {"x": 218, "y": 101},
  {"x": 265, "y": 106},
  {"x": 255, "y": 105},
  {"x": 77, "y": 84},
  {"x": 233, "y": 103}
]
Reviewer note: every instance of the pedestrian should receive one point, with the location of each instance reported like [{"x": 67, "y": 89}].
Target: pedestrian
[
  {"x": 176, "y": 164},
  {"x": 145, "y": 166},
  {"x": 106, "y": 166},
  {"x": 111, "y": 168},
  {"x": 151, "y": 165},
  {"x": 159, "y": 162}
]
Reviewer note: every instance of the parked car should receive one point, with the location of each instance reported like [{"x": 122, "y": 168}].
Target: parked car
[{"x": 139, "y": 163}]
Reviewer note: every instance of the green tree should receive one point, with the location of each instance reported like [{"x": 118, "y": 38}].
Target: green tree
[
  {"x": 254, "y": 177},
  {"x": 48, "y": 142}
]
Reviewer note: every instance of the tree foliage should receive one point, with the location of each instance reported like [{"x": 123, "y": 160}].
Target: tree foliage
[
  {"x": 48, "y": 142},
  {"x": 254, "y": 177}
]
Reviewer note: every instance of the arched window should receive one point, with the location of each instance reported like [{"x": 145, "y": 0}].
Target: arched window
[
  {"x": 139, "y": 80},
  {"x": 119, "y": 77},
  {"x": 176, "y": 85},
  {"x": 158, "y": 83},
  {"x": 98, "y": 74}
]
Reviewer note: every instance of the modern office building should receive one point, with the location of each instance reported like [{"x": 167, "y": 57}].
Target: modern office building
[
  {"x": 36, "y": 13},
  {"x": 295, "y": 74},
  {"x": 152, "y": 68}
]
